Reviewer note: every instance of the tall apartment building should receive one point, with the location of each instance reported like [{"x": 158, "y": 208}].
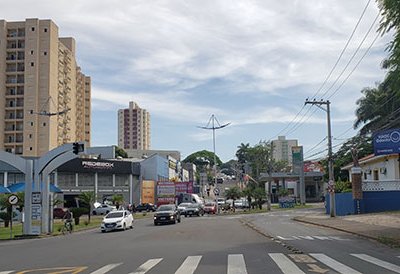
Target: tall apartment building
[
  {"x": 282, "y": 149},
  {"x": 44, "y": 96},
  {"x": 133, "y": 128}
]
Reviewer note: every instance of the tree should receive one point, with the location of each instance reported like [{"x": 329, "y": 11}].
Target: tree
[
  {"x": 248, "y": 192},
  {"x": 202, "y": 159},
  {"x": 233, "y": 193},
  {"x": 120, "y": 152},
  {"x": 259, "y": 195},
  {"x": 117, "y": 200},
  {"x": 88, "y": 197}
]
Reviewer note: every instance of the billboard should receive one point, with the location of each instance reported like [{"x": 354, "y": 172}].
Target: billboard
[
  {"x": 165, "y": 193},
  {"x": 297, "y": 156},
  {"x": 148, "y": 192},
  {"x": 387, "y": 142}
]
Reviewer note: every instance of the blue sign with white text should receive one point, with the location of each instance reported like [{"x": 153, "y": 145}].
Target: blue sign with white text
[{"x": 387, "y": 142}]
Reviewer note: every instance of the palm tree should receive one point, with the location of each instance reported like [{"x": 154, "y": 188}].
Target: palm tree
[
  {"x": 233, "y": 193},
  {"x": 117, "y": 200},
  {"x": 248, "y": 193},
  {"x": 88, "y": 197},
  {"x": 259, "y": 195}
]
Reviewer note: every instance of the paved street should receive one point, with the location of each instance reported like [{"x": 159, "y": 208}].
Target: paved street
[{"x": 222, "y": 244}]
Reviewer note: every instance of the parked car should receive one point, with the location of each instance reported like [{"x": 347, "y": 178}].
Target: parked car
[
  {"x": 58, "y": 213},
  {"x": 117, "y": 219},
  {"x": 193, "y": 209},
  {"x": 103, "y": 209},
  {"x": 221, "y": 201},
  {"x": 210, "y": 208},
  {"x": 182, "y": 207},
  {"x": 167, "y": 214},
  {"x": 145, "y": 207},
  {"x": 242, "y": 203}
]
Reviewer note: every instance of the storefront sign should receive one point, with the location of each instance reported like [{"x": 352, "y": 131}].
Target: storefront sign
[
  {"x": 148, "y": 192},
  {"x": 387, "y": 142}
]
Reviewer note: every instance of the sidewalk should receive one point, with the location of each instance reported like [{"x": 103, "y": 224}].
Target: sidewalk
[{"x": 383, "y": 227}]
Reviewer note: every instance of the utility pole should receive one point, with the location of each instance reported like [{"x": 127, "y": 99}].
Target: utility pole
[
  {"x": 211, "y": 125},
  {"x": 331, "y": 183}
]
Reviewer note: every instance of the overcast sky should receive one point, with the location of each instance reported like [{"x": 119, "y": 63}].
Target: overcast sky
[{"x": 251, "y": 63}]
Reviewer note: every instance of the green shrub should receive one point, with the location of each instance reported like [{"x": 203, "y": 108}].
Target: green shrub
[{"x": 342, "y": 186}]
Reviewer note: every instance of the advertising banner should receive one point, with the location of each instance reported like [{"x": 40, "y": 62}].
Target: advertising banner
[
  {"x": 297, "y": 156},
  {"x": 387, "y": 142},
  {"x": 165, "y": 193},
  {"x": 148, "y": 188}
]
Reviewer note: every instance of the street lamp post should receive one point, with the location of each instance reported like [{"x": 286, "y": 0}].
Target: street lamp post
[{"x": 212, "y": 126}]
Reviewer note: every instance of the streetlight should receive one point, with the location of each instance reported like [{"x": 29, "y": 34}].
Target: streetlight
[{"x": 211, "y": 125}]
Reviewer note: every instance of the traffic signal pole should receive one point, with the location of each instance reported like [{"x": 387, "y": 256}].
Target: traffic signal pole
[{"x": 331, "y": 182}]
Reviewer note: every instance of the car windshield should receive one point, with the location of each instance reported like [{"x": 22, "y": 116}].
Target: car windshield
[
  {"x": 114, "y": 215},
  {"x": 193, "y": 205},
  {"x": 184, "y": 204},
  {"x": 166, "y": 208}
]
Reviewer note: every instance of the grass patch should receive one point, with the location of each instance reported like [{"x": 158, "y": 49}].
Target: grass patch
[
  {"x": 5, "y": 231},
  {"x": 395, "y": 243}
]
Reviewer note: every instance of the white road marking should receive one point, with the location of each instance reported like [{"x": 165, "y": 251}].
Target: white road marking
[
  {"x": 311, "y": 238},
  {"x": 306, "y": 237},
  {"x": 189, "y": 265},
  {"x": 323, "y": 238},
  {"x": 6, "y": 272},
  {"x": 285, "y": 264},
  {"x": 236, "y": 264},
  {"x": 105, "y": 268},
  {"x": 283, "y": 238},
  {"x": 147, "y": 266},
  {"x": 372, "y": 260},
  {"x": 335, "y": 265}
]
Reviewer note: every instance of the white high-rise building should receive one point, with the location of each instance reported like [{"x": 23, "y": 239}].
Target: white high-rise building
[{"x": 282, "y": 149}]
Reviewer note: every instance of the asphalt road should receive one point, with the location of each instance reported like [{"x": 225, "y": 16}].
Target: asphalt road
[{"x": 200, "y": 245}]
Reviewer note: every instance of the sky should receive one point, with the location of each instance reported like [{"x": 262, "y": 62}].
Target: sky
[{"x": 250, "y": 63}]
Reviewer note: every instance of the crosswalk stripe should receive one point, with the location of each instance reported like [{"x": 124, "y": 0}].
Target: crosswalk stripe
[
  {"x": 189, "y": 265},
  {"x": 236, "y": 264},
  {"x": 147, "y": 266},
  {"x": 370, "y": 259},
  {"x": 335, "y": 265},
  {"x": 285, "y": 264},
  {"x": 105, "y": 268}
]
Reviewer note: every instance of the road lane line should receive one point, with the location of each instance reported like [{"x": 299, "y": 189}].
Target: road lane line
[
  {"x": 105, "y": 268},
  {"x": 373, "y": 260},
  {"x": 285, "y": 264},
  {"x": 6, "y": 272},
  {"x": 147, "y": 266},
  {"x": 236, "y": 264},
  {"x": 335, "y": 265},
  {"x": 189, "y": 265}
]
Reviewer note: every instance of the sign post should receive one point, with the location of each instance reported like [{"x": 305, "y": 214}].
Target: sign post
[{"x": 12, "y": 200}]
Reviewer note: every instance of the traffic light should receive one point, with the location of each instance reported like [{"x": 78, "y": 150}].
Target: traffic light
[{"x": 77, "y": 147}]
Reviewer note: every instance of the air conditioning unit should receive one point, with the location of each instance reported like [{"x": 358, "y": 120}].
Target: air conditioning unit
[{"x": 383, "y": 170}]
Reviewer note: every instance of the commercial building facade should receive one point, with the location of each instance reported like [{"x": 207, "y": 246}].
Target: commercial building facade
[
  {"x": 133, "y": 128},
  {"x": 43, "y": 92}
]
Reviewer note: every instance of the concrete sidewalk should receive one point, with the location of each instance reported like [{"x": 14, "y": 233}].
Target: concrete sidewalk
[{"x": 383, "y": 227}]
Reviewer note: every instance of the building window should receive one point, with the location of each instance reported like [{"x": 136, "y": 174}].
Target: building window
[
  {"x": 32, "y": 64},
  {"x": 31, "y": 52},
  {"x": 30, "y": 148},
  {"x": 31, "y": 123},
  {"x": 33, "y": 28},
  {"x": 30, "y": 136},
  {"x": 45, "y": 53},
  {"x": 44, "y": 124},
  {"x": 45, "y": 30}
]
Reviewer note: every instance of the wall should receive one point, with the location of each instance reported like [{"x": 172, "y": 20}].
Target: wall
[{"x": 344, "y": 204}]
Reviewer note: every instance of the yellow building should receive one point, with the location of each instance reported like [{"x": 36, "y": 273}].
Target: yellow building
[{"x": 44, "y": 96}]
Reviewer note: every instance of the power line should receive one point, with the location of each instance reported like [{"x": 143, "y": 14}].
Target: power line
[{"x": 343, "y": 50}]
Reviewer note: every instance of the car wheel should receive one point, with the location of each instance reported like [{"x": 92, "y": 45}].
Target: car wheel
[
  {"x": 131, "y": 226},
  {"x": 103, "y": 231},
  {"x": 179, "y": 220},
  {"x": 107, "y": 212},
  {"x": 185, "y": 215},
  {"x": 124, "y": 226},
  {"x": 94, "y": 212},
  {"x": 155, "y": 223}
]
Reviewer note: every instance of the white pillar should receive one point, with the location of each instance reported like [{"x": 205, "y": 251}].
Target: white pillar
[
  {"x": 130, "y": 188},
  {"x": 5, "y": 178},
  {"x": 56, "y": 178},
  {"x": 76, "y": 179},
  {"x": 113, "y": 180},
  {"x": 95, "y": 185},
  {"x": 45, "y": 204}
]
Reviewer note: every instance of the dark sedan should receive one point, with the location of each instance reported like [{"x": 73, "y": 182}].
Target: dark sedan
[
  {"x": 167, "y": 214},
  {"x": 145, "y": 207}
]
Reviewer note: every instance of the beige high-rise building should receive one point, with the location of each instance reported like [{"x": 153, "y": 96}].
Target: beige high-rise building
[
  {"x": 133, "y": 128},
  {"x": 282, "y": 149},
  {"x": 44, "y": 96}
]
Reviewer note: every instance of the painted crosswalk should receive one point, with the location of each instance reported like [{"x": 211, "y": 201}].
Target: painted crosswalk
[{"x": 236, "y": 264}]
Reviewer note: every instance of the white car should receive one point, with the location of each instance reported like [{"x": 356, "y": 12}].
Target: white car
[
  {"x": 183, "y": 206},
  {"x": 117, "y": 219},
  {"x": 103, "y": 209}
]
